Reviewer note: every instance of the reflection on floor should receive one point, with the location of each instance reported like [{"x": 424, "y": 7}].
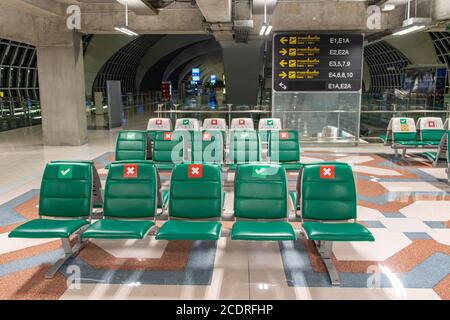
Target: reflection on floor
[{"x": 404, "y": 203}]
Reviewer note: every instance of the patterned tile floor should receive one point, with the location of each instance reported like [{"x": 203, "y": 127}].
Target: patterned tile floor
[{"x": 404, "y": 202}]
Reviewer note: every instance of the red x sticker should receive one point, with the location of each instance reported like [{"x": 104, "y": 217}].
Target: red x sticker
[
  {"x": 206, "y": 136},
  {"x": 168, "y": 136},
  {"x": 284, "y": 135},
  {"x": 432, "y": 124},
  {"x": 326, "y": 172},
  {"x": 241, "y": 121},
  {"x": 158, "y": 122},
  {"x": 214, "y": 122},
  {"x": 130, "y": 171},
  {"x": 195, "y": 171}
]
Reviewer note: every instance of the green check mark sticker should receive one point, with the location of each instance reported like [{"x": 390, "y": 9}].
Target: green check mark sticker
[
  {"x": 185, "y": 122},
  {"x": 270, "y": 122},
  {"x": 402, "y": 121},
  {"x": 65, "y": 172},
  {"x": 259, "y": 173}
]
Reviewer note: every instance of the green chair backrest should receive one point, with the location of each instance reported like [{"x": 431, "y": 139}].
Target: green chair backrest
[
  {"x": 430, "y": 128},
  {"x": 207, "y": 147},
  {"x": 403, "y": 129},
  {"x": 260, "y": 192},
  {"x": 168, "y": 146},
  {"x": 131, "y": 145},
  {"x": 66, "y": 190},
  {"x": 244, "y": 146},
  {"x": 195, "y": 191},
  {"x": 431, "y": 135},
  {"x": 284, "y": 146},
  {"x": 131, "y": 190},
  {"x": 328, "y": 192}
]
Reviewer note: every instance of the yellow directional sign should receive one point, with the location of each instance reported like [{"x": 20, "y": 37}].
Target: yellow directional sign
[
  {"x": 283, "y": 51},
  {"x": 283, "y": 63},
  {"x": 292, "y": 40},
  {"x": 282, "y": 74},
  {"x": 283, "y": 40},
  {"x": 1, "y": 94}
]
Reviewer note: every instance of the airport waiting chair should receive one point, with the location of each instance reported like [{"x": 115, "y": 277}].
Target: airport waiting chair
[
  {"x": 195, "y": 198},
  {"x": 260, "y": 204},
  {"x": 431, "y": 130},
  {"x": 244, "y": 148},
  {"x": 216, "y": 124},
  {"x": 131, "y": 197},
  {"x": 169, "y": 148},
  {"x": 401, "y": 134},
  {"x": 284, "y": 149},
  {"x": 266, "y": 126},
  {"x": 65, "y": 206},
  {"x": 328, "y": 201},
  {"x": 207, "y": 147},
  {"x": 158, "y": 124},
  {"x": 245, "y": 124},
  {"x": 132, "y": 145}
]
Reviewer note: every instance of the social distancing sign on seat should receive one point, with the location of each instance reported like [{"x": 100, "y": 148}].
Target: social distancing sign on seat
[
  {"x": 158, "y": 122},
  {"x": 214, "y": 122},
  {"x": 206, "y": 136},
  {"x": 168, "y": 136},
  {"x": 327, "y": 172},
  {"x": 130, "y": 171},
  {"x": 195, "y": 171},
  {"x": 65, "y": 172},
  {"x": 284, "y": 135},
  {"x": 404, "y": 126}
]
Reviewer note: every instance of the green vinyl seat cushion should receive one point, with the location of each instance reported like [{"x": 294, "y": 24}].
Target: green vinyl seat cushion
[
  {"x": 131, "y": 145},
  {"x": 244, "y": 147},
  {"x": 168, "y": 148},
  {"x": 336, "y": 231},
  {"x": 431, "y": 142},
  {"x": 262, "y": 231},
  {"x": 189, "y": 230},
  {"x": 48, "y": 228},
  {"x": 207, "y": 147},
  {"x": 429, "y": 155},
  {"x": 118, "y": 229},
  {"x": 411, "y": 143}
]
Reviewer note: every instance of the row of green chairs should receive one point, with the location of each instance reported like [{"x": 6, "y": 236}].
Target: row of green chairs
[
  {"x": 170, "y": 147},
  {"x": 195, "y": 206},
  {"x": 402, "y": 133}
]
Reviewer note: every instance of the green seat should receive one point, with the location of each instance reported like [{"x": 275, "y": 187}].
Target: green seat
[
  {"x": 168, "y": 149},
  {"x": 48, "y": 228},
  {"x": 336, "y": 231},
  {"x": 131, "y": 145},
  {"x": 189, "y": 230},
  {"x": 131, "y": 196},
  {"x": 429, "y": 155},
  {"x": 66, "y": 197},
  {"x": 328, "y": 195},
  {"x": 260, "y": 199},
  {"x": 195, "y": 196},
  {"x": 244, "y": 147},
  {"x": 207, "y": 147},
  {"x": 284, "y": 149},
  {"x": 118, "y": 229},
  {"x": 257, "y": 230}
]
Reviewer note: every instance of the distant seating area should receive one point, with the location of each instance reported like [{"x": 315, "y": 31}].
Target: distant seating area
[{"x": 403, "y": 133}]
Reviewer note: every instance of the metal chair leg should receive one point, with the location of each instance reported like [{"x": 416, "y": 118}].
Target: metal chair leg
[
  {"x": 69, "y": 252},
  {"x": 325, "y": 251}
]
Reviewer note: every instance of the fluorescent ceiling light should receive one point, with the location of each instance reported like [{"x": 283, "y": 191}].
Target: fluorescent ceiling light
[
  {"x": 269, "y": 28},
  {"x": 263, "y": 30},
  {"x": 388, "y": 7},
  {"x": 126, "y": 30},
  {"x": 409, "y": 30}
]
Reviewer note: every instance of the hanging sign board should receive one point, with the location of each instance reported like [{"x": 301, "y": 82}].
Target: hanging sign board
[{"x": 317, "y": 62}]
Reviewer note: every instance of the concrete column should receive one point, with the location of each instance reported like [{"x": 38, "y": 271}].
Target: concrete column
[
  {"x": 61, "y": 88},
  {"x": 242, "y": 66}
]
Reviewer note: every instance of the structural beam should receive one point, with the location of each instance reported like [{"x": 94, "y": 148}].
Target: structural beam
[{"x": 215, "y": 10}]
